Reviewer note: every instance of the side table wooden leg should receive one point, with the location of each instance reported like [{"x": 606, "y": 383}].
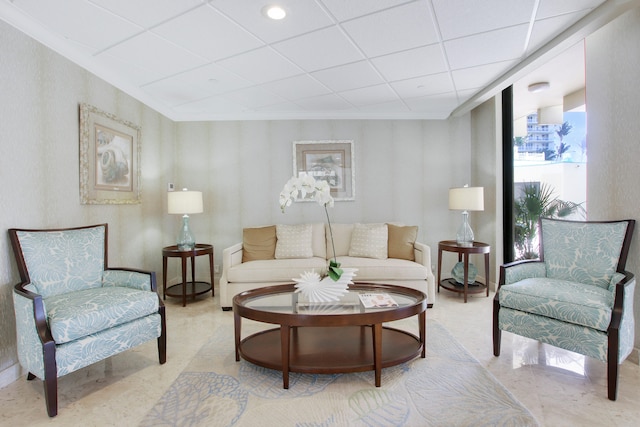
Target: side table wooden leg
[
  {"x": 193, "y": 277},
  {"x": 211, "y": 272},
  {"x": 466, "y": 275},
  {"x": 439, "y": 267},
  {"x": 422, "y": 326},
  {"x": 184, "y": 281},
  {"x": 164, "y": 277},
  {"x": 285, "y": 334},
  {"x": 486, "y": 271},
  {"x": 377, "y": 352},
  {"x": 237, "y": 325}
]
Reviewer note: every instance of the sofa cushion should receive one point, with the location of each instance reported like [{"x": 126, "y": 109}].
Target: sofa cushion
[
  {"x": 277, "y": 270},
  {"x": 341, "y": 239},
  {"x": 258, "y": 243},
  {"x": 369, "y": 241},
  {"x": 77, "y": 314},
  {"x": 388, "y": 269},
  {"x": 567, "y": 301},
  {"x": 401, "y": 241},
  {"x": 294, "y": 241}
]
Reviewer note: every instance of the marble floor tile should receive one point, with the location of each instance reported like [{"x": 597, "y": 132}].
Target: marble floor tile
[{"x": 560, "y": 388}]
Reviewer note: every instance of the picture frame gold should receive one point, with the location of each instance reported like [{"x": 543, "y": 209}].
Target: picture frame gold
[
  {"x": 329, "y": 160},
  {"x": 110, "y": 152}
]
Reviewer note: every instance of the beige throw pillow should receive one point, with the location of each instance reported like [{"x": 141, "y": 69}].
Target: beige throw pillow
[
  {"x": 369, "y": 241},
  {"x": 294, "y": 241},
  {"x": 258, "y": 243},
  {"x": 401, "y": 240}
]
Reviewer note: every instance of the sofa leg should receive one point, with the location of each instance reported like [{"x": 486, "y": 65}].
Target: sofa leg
[
  {"x": 162, "y": 339},
  {"x": 50, "y": 378},
  {"x": 51, "y": 395},
  {"x": 497, "y": 333},
  {"x": 30, "y": 376},
  {"x": 226, "y": 308},
  {"x": 612, "y": 365}
]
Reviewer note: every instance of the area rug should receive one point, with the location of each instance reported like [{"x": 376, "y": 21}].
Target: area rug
[{"x": 447, "y": 388}]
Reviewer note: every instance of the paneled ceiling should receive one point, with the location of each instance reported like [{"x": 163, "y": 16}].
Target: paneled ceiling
[{"x": 343, "y": 59}]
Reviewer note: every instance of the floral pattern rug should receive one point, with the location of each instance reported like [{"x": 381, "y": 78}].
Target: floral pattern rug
[{"x": 447, "y": 388}]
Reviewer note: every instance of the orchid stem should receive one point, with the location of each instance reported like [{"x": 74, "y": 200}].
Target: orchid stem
[{"x": 333, "y": 246}]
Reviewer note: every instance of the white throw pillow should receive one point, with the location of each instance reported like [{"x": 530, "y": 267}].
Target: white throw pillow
[
  {"x": 294, "y": 241},
  {"x": 369, "y": 241}
]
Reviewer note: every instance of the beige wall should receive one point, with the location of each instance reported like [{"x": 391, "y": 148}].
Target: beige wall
[
  {"x": 613, "y": 128},
  {"x": 403, "y": 170}
]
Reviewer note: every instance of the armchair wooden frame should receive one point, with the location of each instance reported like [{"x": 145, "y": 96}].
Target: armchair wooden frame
[
  {"x": 613, "y": 330},
  {"x": 40, "y": 315}
]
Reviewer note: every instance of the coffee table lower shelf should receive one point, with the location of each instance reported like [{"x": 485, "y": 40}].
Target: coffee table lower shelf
[{"x": 330, "y": 350}]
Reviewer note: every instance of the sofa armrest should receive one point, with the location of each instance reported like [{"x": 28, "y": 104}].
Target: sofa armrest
[
  {"x": 519, "y": 270},
  {"x": 422, "y": 254},
  {"x": 231, "y": 256},
  {"x": 130, "y": 278}
]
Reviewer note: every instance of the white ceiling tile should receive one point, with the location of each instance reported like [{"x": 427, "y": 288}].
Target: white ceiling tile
[
  {"x": 482, "y": 48},
  {"x": 350, "y": 76},
  {"x": 286, "y": 106},
  {"x": 324, "y": 103},
  {"x": 302, "y": 86},
  {"x": 396, "y": 29},
  {"x": 261, "y": 65},
  {"x": 394, "y": 107},
  {"x": 96, "y": 28},
  {"x": 411, "y": 63},
  {"x": 147, "y": 13},
  {"x": 426, "y": 85},
  {"x": 253, "y": 97},
  {"x": 124, "y": 71},
  {"x": 151, "y": 52},
  {"x": 545, "y": 30},
  {"x": 477, "y": 77},
  {"x": 207, "y": 33},
  {"x": 214, "y": 104},
  {"x": 549, "y": 8},
  {"x": 370, "y": 95},
  {"x": 435, "y": 107},
  {"x": 320, "y": 49},
  {"x": 195, "y": 84},
  {"x": 302, "y": 17},
  {"x": 344, "y": 10},
  {"x": 459, "y": 18}
]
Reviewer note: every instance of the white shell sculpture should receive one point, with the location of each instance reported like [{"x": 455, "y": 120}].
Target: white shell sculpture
[{"x": 324, "y": 290}]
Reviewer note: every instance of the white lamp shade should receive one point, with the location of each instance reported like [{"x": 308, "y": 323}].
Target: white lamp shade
[
  {"x": 184, "y": 202},
  {"x": 466, "y": 199}
]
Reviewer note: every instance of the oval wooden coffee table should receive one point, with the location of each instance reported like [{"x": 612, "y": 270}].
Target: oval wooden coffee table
[{"x": 326, "y": 338}]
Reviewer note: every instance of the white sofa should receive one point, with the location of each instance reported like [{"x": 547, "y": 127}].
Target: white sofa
[{"x": 400, "y": 261}]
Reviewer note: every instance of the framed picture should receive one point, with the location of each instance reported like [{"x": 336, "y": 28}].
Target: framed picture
[
  {"x": 110, "y": 151},
  {"x": 331, "y": 161}
]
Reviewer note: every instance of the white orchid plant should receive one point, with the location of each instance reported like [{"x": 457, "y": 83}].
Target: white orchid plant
[{"x": 307, "y": 187}]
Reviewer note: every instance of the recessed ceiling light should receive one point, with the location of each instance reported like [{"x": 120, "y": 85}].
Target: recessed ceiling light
[
  {"x": 274, "y": 12},
  {"x": 538, "y": 87}
]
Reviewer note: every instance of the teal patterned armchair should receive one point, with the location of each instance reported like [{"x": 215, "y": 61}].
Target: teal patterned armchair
[
  {"x": 72, "y": 310},
  {"x": 577, "y": 296}
]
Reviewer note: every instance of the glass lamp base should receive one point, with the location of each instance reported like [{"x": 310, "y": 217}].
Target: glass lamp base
[
  {"x": 186, "y": 241},
  {"x": 464, "y": 237}
]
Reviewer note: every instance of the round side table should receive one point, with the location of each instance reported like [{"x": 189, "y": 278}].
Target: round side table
[
  {"x": 463, "y": 252},
  {"x": 187, "y": 289}
]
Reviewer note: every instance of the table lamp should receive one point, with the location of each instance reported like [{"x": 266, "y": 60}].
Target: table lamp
[
  {"x": 466, "y": 199},
  {"x": 185, "y": 202}
]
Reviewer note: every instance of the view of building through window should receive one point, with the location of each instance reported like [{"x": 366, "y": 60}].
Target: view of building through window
[{"x": 550, "y": 177}]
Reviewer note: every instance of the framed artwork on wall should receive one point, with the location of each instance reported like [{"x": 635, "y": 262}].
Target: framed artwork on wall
[
  {"x": 110, "y": 150},
  {"x": 331, "y": 161}
]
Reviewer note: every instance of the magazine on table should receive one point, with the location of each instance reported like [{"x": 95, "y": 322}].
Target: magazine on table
[{"x": 377, "y": 300}]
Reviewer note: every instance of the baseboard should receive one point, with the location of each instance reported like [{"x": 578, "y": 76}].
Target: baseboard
[
  {"x": 10, "y": 375},
  {"x": 634, "y": 356}
]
